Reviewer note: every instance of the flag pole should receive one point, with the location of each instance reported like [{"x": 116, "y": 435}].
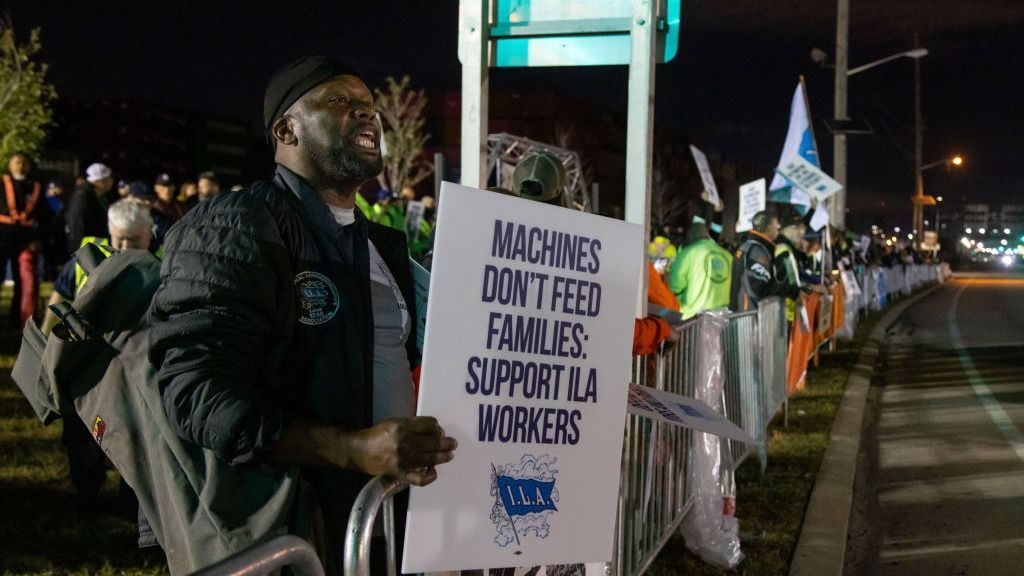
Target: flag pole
[
  {"x": 510, "y": 520},
  {"x": 814, "y": 139}
]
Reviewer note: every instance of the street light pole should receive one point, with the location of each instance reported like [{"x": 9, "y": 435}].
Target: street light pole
[
  {"x": 837, "y": 205},
  {"x": 919, "y": 199}
]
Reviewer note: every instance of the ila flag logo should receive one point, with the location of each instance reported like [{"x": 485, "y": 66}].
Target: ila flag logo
[{"x": 525, "y": 498}]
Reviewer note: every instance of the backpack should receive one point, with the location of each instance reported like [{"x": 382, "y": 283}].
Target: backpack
[{"x": 94, "y": 366}]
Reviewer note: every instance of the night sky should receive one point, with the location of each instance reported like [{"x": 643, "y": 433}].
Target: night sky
[{"x": 728, "y": 89}]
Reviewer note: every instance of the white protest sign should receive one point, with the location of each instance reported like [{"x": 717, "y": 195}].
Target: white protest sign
[
  {"x": 526, "y": 363},
  {"x": 682, "y": 411},
  {"x": 753, "y": 199},
  {"x": 819, "y": 219},
  {"x": 809, "y": 178},
  {"x": 705, "y": 174}
]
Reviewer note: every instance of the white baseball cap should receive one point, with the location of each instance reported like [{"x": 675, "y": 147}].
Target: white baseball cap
[{"x": 96, "y": 172}]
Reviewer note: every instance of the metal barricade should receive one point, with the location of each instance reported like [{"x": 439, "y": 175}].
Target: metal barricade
[
  {"x": 377, "y": 493},
  {"x": 267, "y": 557},
  {"x": 654, "y": 493},
  {"x": 774, "y": 349},
  {"x": 743, "y": 395}
]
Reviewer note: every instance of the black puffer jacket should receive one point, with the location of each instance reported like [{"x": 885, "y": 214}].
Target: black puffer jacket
[
  {"x": 264, "y": 313},
  {"x": 752, "y": 276}
]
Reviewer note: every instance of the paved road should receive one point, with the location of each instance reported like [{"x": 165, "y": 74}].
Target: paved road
[{"x": 940, "y": 485}]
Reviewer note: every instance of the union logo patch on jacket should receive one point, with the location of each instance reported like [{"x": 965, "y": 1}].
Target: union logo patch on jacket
[{"x": 318, "y": 298}]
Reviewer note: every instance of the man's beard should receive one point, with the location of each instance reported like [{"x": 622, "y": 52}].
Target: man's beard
[{"x": 343, "y": 163}]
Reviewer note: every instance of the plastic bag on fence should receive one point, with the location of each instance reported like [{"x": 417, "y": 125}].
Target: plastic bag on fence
[
  {"x": 851, "y": 309},
  {"x": 881, "y": 292},
  {"x": 710, "y": 529},
  {"x": 845, "y": 332}
]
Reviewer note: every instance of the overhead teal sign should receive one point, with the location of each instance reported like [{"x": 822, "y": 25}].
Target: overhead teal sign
[{"x": 528, "y": 33}]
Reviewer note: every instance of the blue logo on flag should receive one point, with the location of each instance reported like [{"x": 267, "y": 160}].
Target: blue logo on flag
[{"x": 525, "y": 498}]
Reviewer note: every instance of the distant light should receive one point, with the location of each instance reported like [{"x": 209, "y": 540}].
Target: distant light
[
  {"x": 981, "y": 245},
  {"x": 957, "y": 160},
  {"x": 1007, "y": 260},
  {"x": 938, "y": 198},
  {"x": 925, "y": 223},
  {"x": 888, "y": 242},
  {"x": 1003, "y": 242},
  {"x": 965, "y": 241},
  {"x": 1006, "y": 230},
  {"x": 968, "y": 230},
  {"x": 897, "y": 229},
  {"x": 910, "y": 236},
  {"x": 981, "y": 230}
]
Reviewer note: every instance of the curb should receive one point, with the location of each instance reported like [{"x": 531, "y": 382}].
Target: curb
[{"x": 821, "y": 548}]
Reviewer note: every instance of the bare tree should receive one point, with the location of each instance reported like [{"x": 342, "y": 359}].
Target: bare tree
[
  {"x": 401, "y": 111},
  {"x": 564, "y": 136},
  {"x": 667, "y": 203}
]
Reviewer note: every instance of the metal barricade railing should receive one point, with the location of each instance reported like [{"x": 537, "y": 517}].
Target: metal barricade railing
[
  {"x": 268, "y": 557},
  {"x": 654, "y": 493},
  {"x": 774, "y": 348},
  {"x": 742, "y": 395},
  {"x": 378, "y": 493}
]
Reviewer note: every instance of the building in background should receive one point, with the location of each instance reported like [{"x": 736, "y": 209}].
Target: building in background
[{"x": 141, "y": 140}]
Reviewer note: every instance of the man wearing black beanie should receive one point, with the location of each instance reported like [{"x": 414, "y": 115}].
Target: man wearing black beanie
[{"x": 284, "y": 329}]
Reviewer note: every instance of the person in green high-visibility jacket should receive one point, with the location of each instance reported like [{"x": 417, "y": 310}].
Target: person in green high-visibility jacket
[
  {"x": 701, "y": 273},
  {"x": 364, "y": 206}
]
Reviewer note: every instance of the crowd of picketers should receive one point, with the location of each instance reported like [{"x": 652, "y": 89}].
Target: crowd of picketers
[
  {"x": 691, "y": 270},
  {"x": 42, "y": 224},
  {"x": 694, "y": 269}
]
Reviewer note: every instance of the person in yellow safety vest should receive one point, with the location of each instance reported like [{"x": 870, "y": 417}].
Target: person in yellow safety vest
[
  {"x": 130, "y": 224},
  {"x": 662, "y": 253},
  {"x": 387, "y": 213},
  {"x": 701, "y": 274},
  {"x": 787, "y": 264}
]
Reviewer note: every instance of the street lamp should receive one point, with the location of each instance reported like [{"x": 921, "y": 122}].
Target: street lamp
[
  {"x": 914, "y": 53},
  {"x": 954, "y": 161},
  {"x": 837, "y": 205}
]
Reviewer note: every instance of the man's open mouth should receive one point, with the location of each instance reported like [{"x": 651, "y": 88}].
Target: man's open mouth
[{"x": 367, "y": 139}]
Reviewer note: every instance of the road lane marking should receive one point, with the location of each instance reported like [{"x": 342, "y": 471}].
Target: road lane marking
[{"x": 995, "y": 410}]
